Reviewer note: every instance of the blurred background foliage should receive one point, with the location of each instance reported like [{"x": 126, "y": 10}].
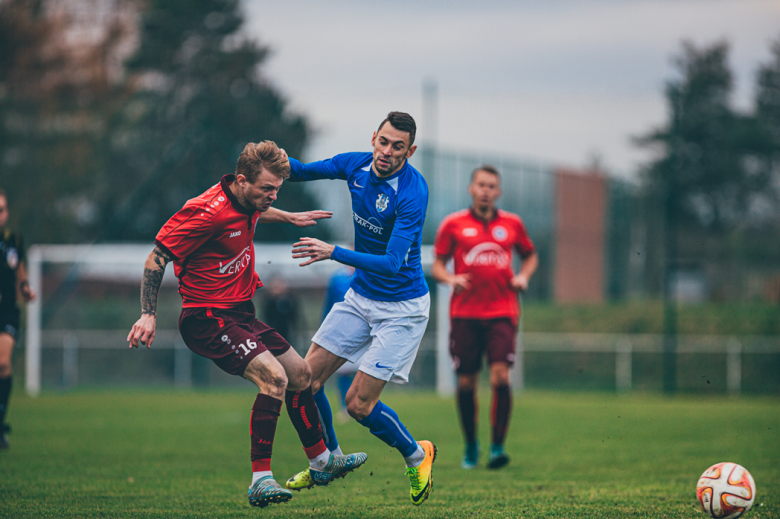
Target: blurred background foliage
[
  {"x": 111, "y": 119},
  {"x": 112, "y": 114}
]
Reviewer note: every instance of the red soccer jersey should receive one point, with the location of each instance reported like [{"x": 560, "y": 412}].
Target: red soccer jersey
[
  {"x": 210, "y": 239},
  {"x": 483, "y": 250}
]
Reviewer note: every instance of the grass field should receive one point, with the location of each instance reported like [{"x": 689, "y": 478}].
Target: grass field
[{"x": 167, "y": 454}]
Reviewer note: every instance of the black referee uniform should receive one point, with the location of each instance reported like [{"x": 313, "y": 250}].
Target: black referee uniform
[{"x": 11, "y": 255}]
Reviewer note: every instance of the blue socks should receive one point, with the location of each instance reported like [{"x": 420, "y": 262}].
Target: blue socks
[
  {"x": 326, "y": 419},
  {"x": 385, "y": 425}
]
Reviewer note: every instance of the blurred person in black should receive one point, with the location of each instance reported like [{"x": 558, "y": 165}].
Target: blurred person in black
[
  {"x": 280, "y": 309},
  {"x": 13, "y": 279}
]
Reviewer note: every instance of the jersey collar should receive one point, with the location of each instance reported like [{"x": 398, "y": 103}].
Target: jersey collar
[
  {"x": 376, "y": 178},
  {"x": 225, "y": 185},
  {"x": 480, "y": 220}
]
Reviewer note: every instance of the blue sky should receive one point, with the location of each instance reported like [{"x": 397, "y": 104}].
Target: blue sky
[{"x": 555, "y": 81}]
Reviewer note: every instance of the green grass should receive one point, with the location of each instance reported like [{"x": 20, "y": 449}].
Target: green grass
[{"x": 167, "y": 454}]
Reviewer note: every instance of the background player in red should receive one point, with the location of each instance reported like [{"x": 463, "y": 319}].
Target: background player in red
[
  {"x": 484, "y": 310},
  {"x": 210, "y": 243}
]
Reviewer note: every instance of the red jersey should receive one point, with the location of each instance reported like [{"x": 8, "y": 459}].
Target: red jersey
[
  {"x": 484, "y": 250},
  {"x": 210, "y": 239}
]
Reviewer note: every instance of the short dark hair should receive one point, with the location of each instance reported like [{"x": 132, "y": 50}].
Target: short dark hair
[
  {"x": 401, "y": 121},
  {"x": 266, "y": 155},
  {"x": 487, "y": 168}
]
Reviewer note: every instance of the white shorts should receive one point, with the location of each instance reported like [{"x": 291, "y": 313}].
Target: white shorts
[{"x": 386, "y": 333}]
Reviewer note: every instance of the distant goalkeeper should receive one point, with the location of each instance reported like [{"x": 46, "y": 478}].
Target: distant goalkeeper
[{"x": 484, "y": 310}]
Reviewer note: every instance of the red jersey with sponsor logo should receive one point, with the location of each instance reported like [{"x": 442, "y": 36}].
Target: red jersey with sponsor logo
[
  {"x": 210, "y": 239},
  {"x": 484, "y": 250}
]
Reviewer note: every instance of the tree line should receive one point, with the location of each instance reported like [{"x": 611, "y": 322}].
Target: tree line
[{"x": 101, "y": 144}]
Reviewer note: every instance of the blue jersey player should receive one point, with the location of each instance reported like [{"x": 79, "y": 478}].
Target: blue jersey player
[{"x": 385, "y": 311}]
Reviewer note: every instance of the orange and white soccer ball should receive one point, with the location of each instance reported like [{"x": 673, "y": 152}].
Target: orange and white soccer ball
[{"x": 726, "y": 491}]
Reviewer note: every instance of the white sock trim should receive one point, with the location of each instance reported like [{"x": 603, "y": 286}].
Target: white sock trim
[
  {"x": 415, "y": 459},
  {"x": 320, "y": 461},
  {"x": 260, "y": 474}
]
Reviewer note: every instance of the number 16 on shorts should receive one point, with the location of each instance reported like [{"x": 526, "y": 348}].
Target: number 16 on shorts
[{"x": 248, "y": 347}]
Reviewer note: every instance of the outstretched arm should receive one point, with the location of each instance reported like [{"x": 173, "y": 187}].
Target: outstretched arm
[
  {"x": 154, "y": 268},
  {"x": 304, "y": 219},
  {"x": 332, "y": 169},
  {"x": 387, "y": 264}
]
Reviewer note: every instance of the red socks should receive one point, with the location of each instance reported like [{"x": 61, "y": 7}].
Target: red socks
[
  {"x": 306, "y": 420},
  {"x": 262, "y": 427}
]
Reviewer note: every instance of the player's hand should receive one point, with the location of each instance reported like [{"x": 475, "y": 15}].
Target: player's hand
[
  {"x": 308, "y": 218},
  {"x": 27, "y": 292},
  {"x": 316, "y": 250},
  {"x": 143, "y": 331},
  {"x": 518, "y": 283},
  {"x": 460, "y": 282},
  {"x": 284, "y": 153}
]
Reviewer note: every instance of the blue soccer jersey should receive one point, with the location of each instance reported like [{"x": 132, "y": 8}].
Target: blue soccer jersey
[{"x": 382, "y": 208}]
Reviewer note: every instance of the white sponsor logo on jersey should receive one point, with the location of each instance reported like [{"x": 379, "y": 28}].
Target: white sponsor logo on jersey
[
  {"x": 372, "y": 224},
  {"x": 487, "y": 254},
  {"x": 236, "y": 264},
  {"x": 470, "y": 231},
  {"x": 234, "y": 234}
]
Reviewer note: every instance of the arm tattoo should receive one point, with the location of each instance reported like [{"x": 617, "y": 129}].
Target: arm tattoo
[{"x": 150, "y": 284}]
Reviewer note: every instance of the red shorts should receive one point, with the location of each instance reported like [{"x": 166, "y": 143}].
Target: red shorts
[
  {"x": 231, "y": 337},
  {"x": 470, "y": 338}
]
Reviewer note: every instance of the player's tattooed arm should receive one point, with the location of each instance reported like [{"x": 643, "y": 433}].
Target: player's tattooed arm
[
  {"x": 144, "y": 329},
  {"x": 154, "y": 269}
]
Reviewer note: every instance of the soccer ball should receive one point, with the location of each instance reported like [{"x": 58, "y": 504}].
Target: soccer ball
[{"x": 726, "y": 491}]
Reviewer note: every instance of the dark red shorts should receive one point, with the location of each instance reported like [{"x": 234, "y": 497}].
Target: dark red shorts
[
  {"x": 231, "y": 337},
  {"x": 470, "y": 338}
]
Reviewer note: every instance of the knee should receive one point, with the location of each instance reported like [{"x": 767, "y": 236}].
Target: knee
[
  {"x": 358, "y": 409},
  {"x": 302, "y": 378},
  {"x": 467, "y": 383},
  {"x": 5, "y": 369},
  {"x": 278, "y": 384},
  {"x": 499, "y": 377},
  {"x": 316, "y": 385},
  {"x": 499, "y": 374},
  {"x": 272, "y": 381}
]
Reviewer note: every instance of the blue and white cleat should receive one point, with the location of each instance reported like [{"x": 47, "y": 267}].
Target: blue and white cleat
[
  {"x": 266, "y": 491},
  {"x": 337, "y": 467}
]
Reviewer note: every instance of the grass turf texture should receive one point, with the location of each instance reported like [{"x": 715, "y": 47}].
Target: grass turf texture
[{"x": 166, "y": 454}]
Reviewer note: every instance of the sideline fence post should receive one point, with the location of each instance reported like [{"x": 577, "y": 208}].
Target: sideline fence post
[
  {"x": 33, "y": 343},
  {"x": 445, "y": 379},
  {"x": 518, "y": 371},
  {"x": 623, "y": 365},
  {"x": 70, "y": 360},
  {"x": 734, "y": 367}
]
